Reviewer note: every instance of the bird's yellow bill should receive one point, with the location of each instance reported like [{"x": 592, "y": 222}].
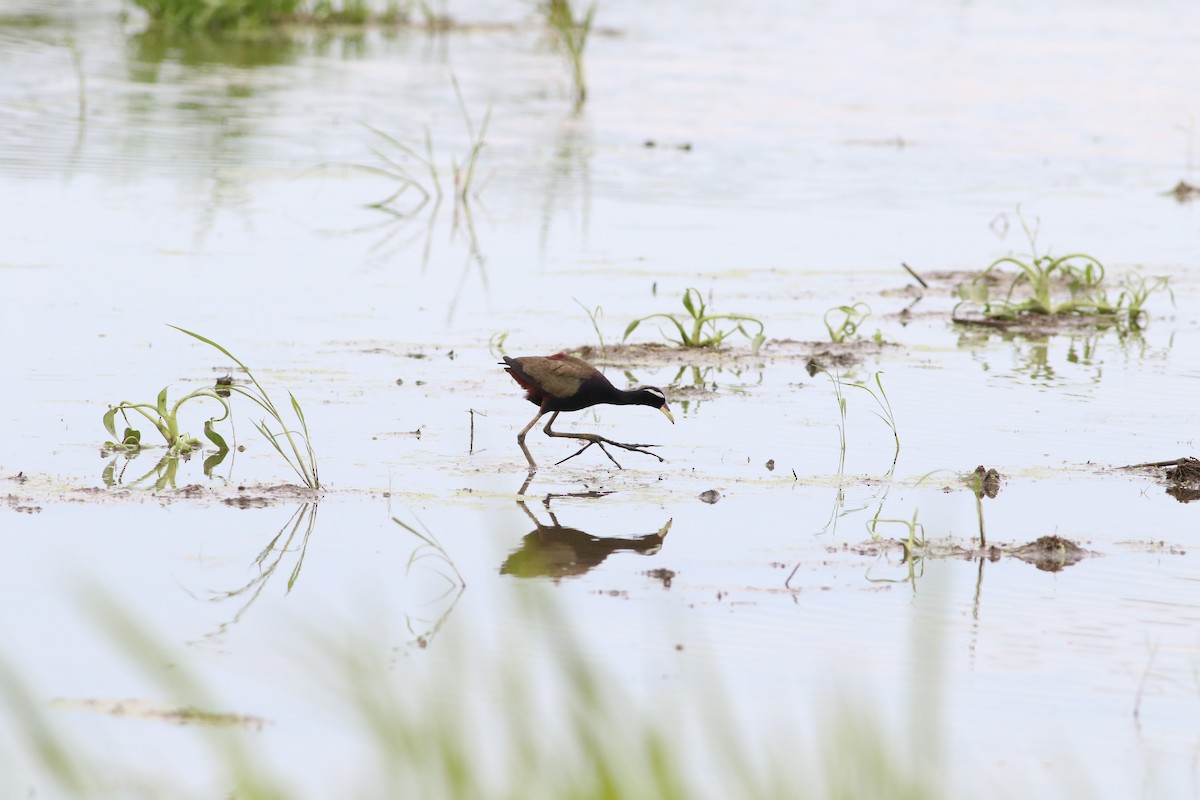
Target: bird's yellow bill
[{"x": 668, "y": 414}]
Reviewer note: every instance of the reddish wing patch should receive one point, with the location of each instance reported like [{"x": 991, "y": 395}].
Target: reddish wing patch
[
  {"x": 532, "y": 393},
  {"x": 551, "y": 378}
]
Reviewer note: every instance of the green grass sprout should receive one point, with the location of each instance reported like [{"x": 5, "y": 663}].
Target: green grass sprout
[
  {"x": 221, "y": 16},
  {"x": 164, "y": 416},
  {"x": 885, "y": 409},
  {"x": 847, "y": 319},
  {"x": 571, "y": 35},
  {"x": 841, "y": 404},
  {"x": 594, "y": 315},
  {"x": 1050, "y": 287},
  {"x": 294, "y": 446},
  {"x": 702, "y": 328}
]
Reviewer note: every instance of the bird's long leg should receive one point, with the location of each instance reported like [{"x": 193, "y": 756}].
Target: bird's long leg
[
  {"x": 592, "y": 438},
  {"x": 521, "y": 438}
]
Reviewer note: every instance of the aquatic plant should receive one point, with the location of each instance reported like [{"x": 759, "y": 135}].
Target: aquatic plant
[
  {"x": 884, "y": 413},
  {"x": 1081, "y": 274},
  {"x": 915, "y": 538},
  {"x": 885, "y": 410},
  {"x": 496, "y": 343},
  {"x": 1135, "y": 290},
  {"x": 298, "y": 452},
  {"x": 914, "y": 544},
  {"x": 850, "y": 318},
  {"x": 841, "y": 404},
  {"x": 704, "y": 329},
  {"x": 983, "y": 483},
  {"x": 1038, "y": 284},
  {"x": 594, "y": 314},
  {"x": 1045, "y": 277},
  {"x": 214, "y": 16},
  {"x": 164, "y": 416},
  {"x": 571, "y": 36}
]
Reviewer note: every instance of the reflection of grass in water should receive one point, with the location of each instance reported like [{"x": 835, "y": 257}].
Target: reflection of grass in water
[
  {"x": 271, "y": 557},
  {"x": 540, "y": 720},
  {"x": 442, "y": 565},
  {"x": 428, "y": 186},
  {"x": 410, "y": 168}
]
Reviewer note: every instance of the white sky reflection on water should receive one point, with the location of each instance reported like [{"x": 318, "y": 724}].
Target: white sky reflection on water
[{"x": 828, "y": 143}]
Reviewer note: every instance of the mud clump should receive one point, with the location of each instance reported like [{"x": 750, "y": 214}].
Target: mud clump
[
  {"x": 661, "y": 574},
  {"x": 711, "y": 496},
  {"x": 1182, "y": 476},
  {"x": 1050, "y": 553},
  {"x": 1183, "y": 192},
  {"x": 1183, "y": 480},
  {"x": 984, "y": 482}
]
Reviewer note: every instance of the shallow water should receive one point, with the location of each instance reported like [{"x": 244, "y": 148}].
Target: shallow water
[{"x": 218, "y": 188}]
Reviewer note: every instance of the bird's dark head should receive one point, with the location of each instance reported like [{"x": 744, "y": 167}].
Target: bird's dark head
[{"x": 654, "y": 397}]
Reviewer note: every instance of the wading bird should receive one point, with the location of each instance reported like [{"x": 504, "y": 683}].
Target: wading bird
[{"x": 560, "y": 383}]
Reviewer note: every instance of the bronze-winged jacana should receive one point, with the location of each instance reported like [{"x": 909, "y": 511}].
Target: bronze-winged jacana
[{"x": 560, "y": 383}]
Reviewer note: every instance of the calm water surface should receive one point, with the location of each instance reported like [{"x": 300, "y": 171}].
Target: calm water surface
[{"x": 220, "y": 188}]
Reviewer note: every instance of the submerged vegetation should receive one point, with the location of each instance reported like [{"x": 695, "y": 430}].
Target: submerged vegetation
[{"x": 704, "y": 329}]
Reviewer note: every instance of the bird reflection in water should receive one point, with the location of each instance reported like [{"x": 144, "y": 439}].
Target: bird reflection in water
[{"x": 555, "y": 551}]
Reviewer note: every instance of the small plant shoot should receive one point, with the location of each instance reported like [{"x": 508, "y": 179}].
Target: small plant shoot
[
  {"x": 845, "y": 321},
  {"x": 571, "y": 35},
  {"x": 703, "y": 329},
  {"x": 292, "y": 445},
  {"x": 1050, "y": 287},
  {"x": 164, "y": 416}
]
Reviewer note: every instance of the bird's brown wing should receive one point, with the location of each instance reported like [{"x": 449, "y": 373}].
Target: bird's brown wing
[{"x": 557, "y": 377}]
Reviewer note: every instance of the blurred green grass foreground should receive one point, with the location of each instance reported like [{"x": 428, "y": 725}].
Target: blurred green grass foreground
[{"x": 537, "y": 719}]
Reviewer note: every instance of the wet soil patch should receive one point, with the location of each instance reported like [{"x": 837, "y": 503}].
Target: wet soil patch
[
  {"x": 1183, "y": 192},
  {"x": 1039, "y": 324},
  {"x": 142, "y": 709},
  {"x": 655, "y": 354},
  {"x": 41, "y": 489},
  {"x": 661, "y": 574},
  {"x": 1047, "y": 553},
  {"x": 1181, "y": 476}
]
